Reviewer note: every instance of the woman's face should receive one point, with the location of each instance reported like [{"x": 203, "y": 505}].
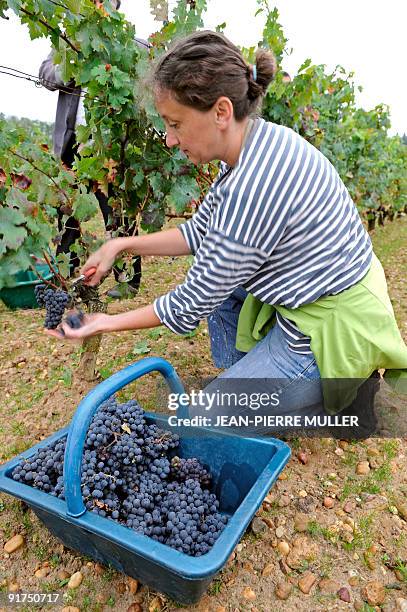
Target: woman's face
[{"x": 198, "y": 134}]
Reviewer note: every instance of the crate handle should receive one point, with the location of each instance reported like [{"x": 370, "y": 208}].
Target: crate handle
[{"x": 85, "y": 412}]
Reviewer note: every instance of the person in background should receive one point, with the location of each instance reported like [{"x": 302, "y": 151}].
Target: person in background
[{"x": 69, "y": 114}]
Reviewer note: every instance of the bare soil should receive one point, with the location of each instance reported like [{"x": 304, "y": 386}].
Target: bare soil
[{"x": 361, "y": 539}]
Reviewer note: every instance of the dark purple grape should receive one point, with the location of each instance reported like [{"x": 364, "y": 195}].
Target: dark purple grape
[{"x": 75, "y": 319}]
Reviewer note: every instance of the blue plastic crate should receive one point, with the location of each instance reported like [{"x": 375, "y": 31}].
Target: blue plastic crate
[{"x": 243, "y": 470}]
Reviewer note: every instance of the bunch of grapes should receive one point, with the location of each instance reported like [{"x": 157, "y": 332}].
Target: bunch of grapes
[
  {"x": 128, "y": 476},
  {"x": 55, "y": 302},
  {"x": 183, "y": 469}
]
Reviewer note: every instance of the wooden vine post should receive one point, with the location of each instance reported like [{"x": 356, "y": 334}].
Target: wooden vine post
[{"x": 87, "y": 366}]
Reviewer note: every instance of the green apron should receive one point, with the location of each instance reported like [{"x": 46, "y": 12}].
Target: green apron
[{"x": 352, "y": 334}]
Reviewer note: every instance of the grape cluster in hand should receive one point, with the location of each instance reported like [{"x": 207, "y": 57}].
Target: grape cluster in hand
[
  {"x": 55, "y": 302},
  {"x": 128, "y": 476}
]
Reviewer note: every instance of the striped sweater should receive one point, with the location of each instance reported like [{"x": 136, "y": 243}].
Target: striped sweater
[{"x": 280, "y": 223}]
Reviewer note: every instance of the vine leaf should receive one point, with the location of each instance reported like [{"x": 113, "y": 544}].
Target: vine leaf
[
  {"x": 183, "y": 191},
  {"x": 159, "y": 9},
  {"x": 85, "y": 206},
  {"x": 21, "y": 181},
  {"x": 141, "y": 348},
  {"x": 13, "y": 235}
]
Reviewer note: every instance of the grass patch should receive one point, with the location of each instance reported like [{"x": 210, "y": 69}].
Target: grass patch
[
  {"x": 401, "y": 566},
  {"x": 373, "y": 483},
  {"x": 215, "y": 587},
  {"x": 362, "y": 534},
  {"x": 316, "y": 530}
]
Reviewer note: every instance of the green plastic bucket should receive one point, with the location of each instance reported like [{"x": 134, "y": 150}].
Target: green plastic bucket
[{"x": 21, "y": 295}]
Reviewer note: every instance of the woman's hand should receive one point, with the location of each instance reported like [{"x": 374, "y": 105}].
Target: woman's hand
[
  {"x": 92, "y": 325},
  {"x": 102, "y": 260}
]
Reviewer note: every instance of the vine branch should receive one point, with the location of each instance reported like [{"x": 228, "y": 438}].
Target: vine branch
[
  {"x": 55, "y": 272},
  {"x": 46, "y": 282},
  {"x": 49, "y": 27}
]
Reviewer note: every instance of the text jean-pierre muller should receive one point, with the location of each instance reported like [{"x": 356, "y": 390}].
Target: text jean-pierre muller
[{"x": 275, "y": 420}]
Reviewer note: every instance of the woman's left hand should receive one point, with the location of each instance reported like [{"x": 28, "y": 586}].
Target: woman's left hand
[{"x": 92, "y": 325}]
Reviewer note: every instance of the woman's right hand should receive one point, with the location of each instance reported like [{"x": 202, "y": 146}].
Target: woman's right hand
[{"x": 103, "y": 260}]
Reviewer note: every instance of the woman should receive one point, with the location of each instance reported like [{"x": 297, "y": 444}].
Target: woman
[{"x": 277, "y": 222}]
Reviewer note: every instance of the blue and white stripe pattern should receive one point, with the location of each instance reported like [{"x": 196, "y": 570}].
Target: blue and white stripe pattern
[{"x": 280, "y": 223}]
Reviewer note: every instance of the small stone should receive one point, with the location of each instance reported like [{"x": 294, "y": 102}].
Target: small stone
[
  {"x": 358, "y": 605},
  {"x": 75, "y": 580},
  {"x": 284, "y": 501},
  {"x": 63, "y": 574},
  {"x": 121, "y": 588},
  {"x": 399, "y": 575},
  {"x": 353, "y": 581},
  {"x": 284, "y": 567},
  {"x": 370, "y": 562},
  {"x": 156, "y": 604},
  {"x": 102, "y": 598},
  {"x": 249, "y": 594},
  {"x": 14, "y": 543},
  {"x": 302, "y": 493},
  {"x": 269, "y": 522},
  {"x": 328, "y": 586},
  {"x": 70, "y": 609},
  {"x": 268, "y": 569},
  {"x": 402, "y": 508},
  {"x": 347, "y": 537},
  {"x": 284, "y": 547},
  {"x": 280, "y": 531},
  {"x": 283, "y": 590},
  {"x": 268, "y": 500},
  {"x": 344, "y": 594},
  {"x": 99, "y": 569},
  {"x": 301, "y": 522},
  {"x": 303, "y": 550},
  {"x": 329, "y": 502},
  {"x": 362, "y": 468},
  {"x": 306, "y": 582},
  {"x": 349, "y": 506},
  {"x": 339, "y": 451},
  {"x": 42, "y": 573},
  {"x": 232, "y": 558},
  {"x": 135, "y": 607},
  {"x": 258, "y": 526},
  {"x": 13, "y": 587},
  {"x": 343, "y": 444},
  {"x": 283, "y": 476},
  {"x": 302, "y": 457},
  {"x": 220, "y": 609},
  {"x": 374, "y": 593},
  {"x": 401, "y": 605}
]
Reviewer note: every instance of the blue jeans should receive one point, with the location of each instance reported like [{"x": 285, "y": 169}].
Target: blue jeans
[{"x": 274, "y": 366}]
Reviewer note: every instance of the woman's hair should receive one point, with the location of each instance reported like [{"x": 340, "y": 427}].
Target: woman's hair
[{"x": 204, "y": 66}]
